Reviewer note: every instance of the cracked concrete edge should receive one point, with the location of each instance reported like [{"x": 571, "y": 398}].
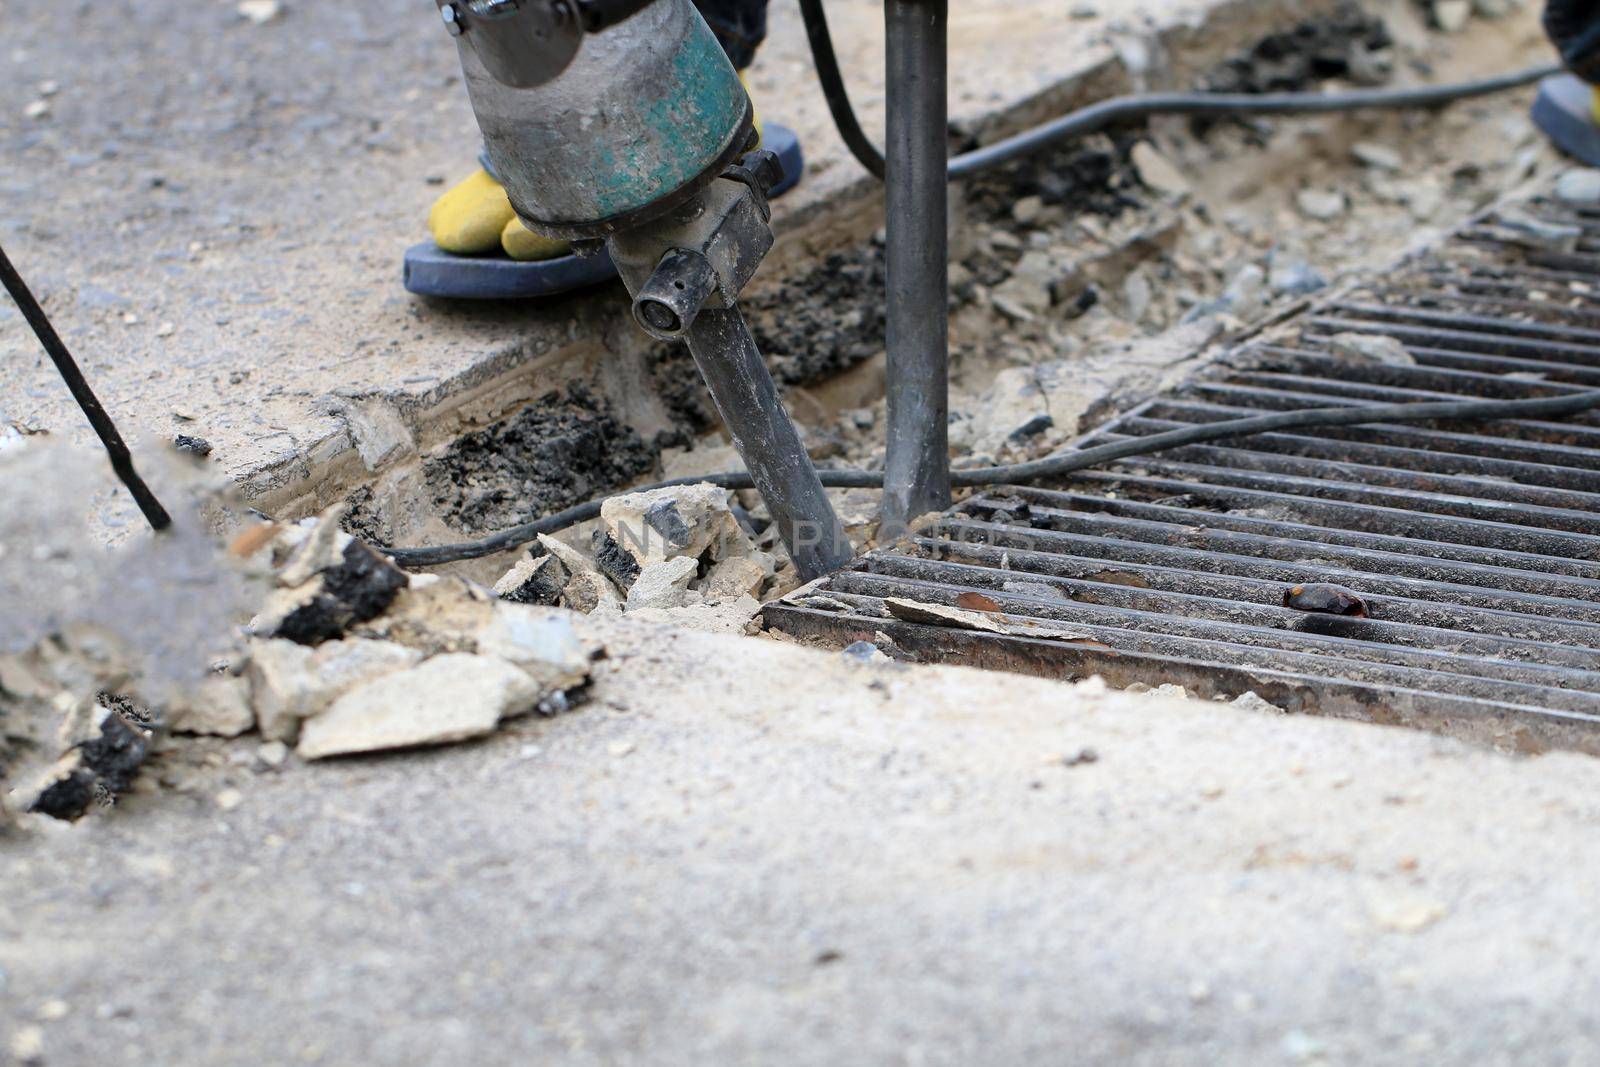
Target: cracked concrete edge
[{"x": 502, "y": 378}]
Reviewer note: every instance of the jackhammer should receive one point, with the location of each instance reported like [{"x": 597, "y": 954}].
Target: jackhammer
[{"x": 622, "y": 123}]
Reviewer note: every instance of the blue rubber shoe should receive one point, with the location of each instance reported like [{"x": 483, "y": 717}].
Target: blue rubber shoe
[
  {"x": 1564, "y": 110},
  {"x": 431, "y": 271}
]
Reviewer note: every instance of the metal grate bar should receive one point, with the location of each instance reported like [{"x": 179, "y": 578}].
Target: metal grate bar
[{"x": 1474, "y": 547}]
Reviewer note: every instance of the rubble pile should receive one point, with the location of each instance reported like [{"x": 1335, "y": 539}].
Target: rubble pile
[
  {"x": 353, "y": 655},
  {"x": 348, "y": 655},
  {"x": 676, "y": 555}
]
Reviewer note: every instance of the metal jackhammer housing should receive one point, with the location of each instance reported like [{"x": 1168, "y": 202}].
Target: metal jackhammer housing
[{"x": 640, "y": 134}]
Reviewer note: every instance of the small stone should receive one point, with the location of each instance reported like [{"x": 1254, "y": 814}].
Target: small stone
[
  {"x": 194, "y": 446},
  {"x": 1027, "y": 210},
  {"x": 166, "y": 329},
  {"x": 864, "y": 652},
  {"x": 228, "y": 799},
  {"x": 260, "y": 12},
  {"x": 49, "y": 87},
  {"x": 447, "y": 698},
  {"x": 219, "y": 706},
  {"x": 1028, "y": 288},
  {"x": 618, "y": 749},
  {"x": 37, "y": 110},
  {"x": 1320, "y": 204},
  {"x": 1158, "y": 172},
  {"x": 1371, "y": 348},
  {"x": 27, "y": 1045},
  {"x": 664, "y": 584},
  {"x": 1377, "y": 156},
  {"x": 1084, "y": 11},
  {"x": 535, "y": 580},
  {"x": 1299, "y": 1046},
  {"x": 1579, "y": 186},
  {"x": 272, "y": 754},
  {"x": 1292, "y": 275},
  {"x": 53, "y": 1010},
  {"x": 1452, "y": 16},
  {"x": 1405, "y": 912},
  {"x": 1251, "y": 701}
]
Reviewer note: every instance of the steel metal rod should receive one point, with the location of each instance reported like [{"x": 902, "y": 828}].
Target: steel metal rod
[
  {"x": 78, "y": 385},
  {"x": 917, "y": 463},
  {"x": 776, "y": 458}
]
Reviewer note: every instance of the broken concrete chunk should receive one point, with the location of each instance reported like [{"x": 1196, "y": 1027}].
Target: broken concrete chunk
[
  {"x": 1320, "y": 204},
  {"x": 447, "y": 698},
  {"x": 1377, "y": 156},
  {"x": 570, "y": 557},
  {"x": 360, "y": 587},
  {"x": 613, "y": 562},
  {"x": 1253, "y": 701},
  {"x": 664, "y": 584},
  {"x": 1452, "y": 16},
  {"x": 219, "y": 706},
  {"x": 540, "y": 641},
  {"x": 1371, "y": 348},
  {"x": 719, "y": 617},
  {"x": 1028, "y": 288},
  {"x": 939, "y": 615},
  {"x": 1529, "y": 231},
  {"x": 97, "y": 769},
  {"x": 322, "y": 547},
  {"x": 734, "y": 577},
  {"x": 289, "y": 682},
  {"x": 536, "y": 580},
  {"x": 280, "y": 686},
  {"x": 340, "y": 666},
  {"x": 1157, "y": 171},
  {"x": 680, "y": 520},
  {"x": 440, "y": 616},
  {"x": 590, "y": 592}
]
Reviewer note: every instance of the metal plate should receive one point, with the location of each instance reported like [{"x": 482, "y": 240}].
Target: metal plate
[{"x": 1476, "y": 546}]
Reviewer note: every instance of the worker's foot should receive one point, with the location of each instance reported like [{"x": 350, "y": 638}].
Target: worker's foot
[
  {"x": 1568, "y": 111},
  {"x": 475, "y": 218}
]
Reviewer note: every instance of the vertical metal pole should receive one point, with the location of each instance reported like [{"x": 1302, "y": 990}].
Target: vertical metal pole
[
  {"x": 747, "y": 400},
  {"x": 917, "y": 474}
]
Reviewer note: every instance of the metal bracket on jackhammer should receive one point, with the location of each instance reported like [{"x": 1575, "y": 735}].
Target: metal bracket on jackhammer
[{"x": 703, "y": 254}]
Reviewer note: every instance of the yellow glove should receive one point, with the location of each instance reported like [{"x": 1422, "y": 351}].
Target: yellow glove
[
  {"x": 1595, "y": 107},
  {"x": 469, "y": 218},
  {"x": 476, "y": 216}
]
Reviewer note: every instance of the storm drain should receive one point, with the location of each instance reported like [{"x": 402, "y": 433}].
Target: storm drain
[{"x": 1474, "y": 547}]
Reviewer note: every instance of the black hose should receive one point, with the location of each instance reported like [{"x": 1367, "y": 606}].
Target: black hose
[
  {"x": 826, "y": 61},
  {"x": 121, "y": 459},
  {"x": 1099, "y": 115},
  {"x": 1057, "y": 464}
]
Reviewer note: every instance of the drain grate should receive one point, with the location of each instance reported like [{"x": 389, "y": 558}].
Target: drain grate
[{"x": 1475, "y": 546}]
